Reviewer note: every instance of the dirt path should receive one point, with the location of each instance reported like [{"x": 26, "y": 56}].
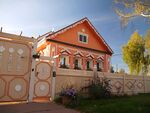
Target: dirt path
[{"x": 35, "y": 108}]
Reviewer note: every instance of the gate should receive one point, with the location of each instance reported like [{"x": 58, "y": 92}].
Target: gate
[
  {"x": 42, "y": 81},
  {"x": 23, "y": 78},
  {"x": 15, "y": 69}
]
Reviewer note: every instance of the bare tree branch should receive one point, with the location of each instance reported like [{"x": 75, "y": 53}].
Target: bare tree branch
[{"x": 128, "y": 9}]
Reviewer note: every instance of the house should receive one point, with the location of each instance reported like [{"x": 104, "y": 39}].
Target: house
[{"x": 78, "y": 45}]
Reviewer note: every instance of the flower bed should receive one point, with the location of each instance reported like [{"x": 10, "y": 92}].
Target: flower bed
[{"x": 67, "y": 95}]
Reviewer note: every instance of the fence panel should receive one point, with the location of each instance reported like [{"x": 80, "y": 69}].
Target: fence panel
[{"x": 121, "y": 83}]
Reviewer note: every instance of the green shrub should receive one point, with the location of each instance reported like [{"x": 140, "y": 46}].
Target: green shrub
[{"x": 99, "y": 88}]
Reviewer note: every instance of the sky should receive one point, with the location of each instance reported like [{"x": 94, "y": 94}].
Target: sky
[{"x": 36, "y": 17}]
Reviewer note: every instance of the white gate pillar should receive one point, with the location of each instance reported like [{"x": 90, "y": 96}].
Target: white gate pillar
[{"x": 32, "y": 77}]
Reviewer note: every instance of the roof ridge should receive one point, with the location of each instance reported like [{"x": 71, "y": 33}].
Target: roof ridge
[{"x": 68, "y": 26}]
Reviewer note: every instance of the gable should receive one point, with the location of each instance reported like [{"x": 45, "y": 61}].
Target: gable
[{"x": 71, "y": 36}]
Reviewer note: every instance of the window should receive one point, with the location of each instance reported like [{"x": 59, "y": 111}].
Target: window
[
  {"x": 89, "y": 65},
  {"x": 76, "y": 62},
  {"x": 64, "y": 62},
  {"x": 99, "y": 65},
  {"x": 83, "y": 38}
]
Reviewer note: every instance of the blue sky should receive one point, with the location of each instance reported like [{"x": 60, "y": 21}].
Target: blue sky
[{"x": 35, "y": 17}]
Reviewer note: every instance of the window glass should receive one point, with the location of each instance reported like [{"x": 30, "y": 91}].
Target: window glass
[
  {"x": 83, "y": 38},
  {"x": 99, "y": 65},
  {"x": 88, "y": 64},
  {"x": 63, "y": 60},
  {"x": 76, "y": 62},
  {"x": 80, "y": 37}
]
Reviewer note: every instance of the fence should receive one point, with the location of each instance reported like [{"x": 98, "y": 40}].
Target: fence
[{"x": 121, "y": 83}]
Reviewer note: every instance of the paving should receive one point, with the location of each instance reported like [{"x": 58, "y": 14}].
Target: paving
[{"x": 35, "y": 108}]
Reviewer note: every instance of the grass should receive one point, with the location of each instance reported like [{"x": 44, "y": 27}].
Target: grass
[{"x": 133, "y": 104}]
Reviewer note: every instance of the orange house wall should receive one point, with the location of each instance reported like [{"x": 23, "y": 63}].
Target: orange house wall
[
  {"x": 59, "y": 47},
  {"x": 71, "y": 36}
]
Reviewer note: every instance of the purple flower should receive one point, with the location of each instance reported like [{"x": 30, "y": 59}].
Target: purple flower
[{"x": 70, "y": 92}]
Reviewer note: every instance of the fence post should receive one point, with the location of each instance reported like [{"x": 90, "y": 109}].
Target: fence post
[
  {"x": 95, "y": 73},
  {"x": 124, "y": 83},
  {"x": 144, "y": 83},
  {"x": 54, "y": 80}
]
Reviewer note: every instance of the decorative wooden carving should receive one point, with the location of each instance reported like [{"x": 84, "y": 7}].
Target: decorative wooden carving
[{"x": 19, "y": 60}]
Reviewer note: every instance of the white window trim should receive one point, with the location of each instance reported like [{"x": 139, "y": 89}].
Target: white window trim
[{"x": 80, "y": 33}]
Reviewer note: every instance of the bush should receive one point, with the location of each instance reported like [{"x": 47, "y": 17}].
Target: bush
[{"x": 99, "y": 88}]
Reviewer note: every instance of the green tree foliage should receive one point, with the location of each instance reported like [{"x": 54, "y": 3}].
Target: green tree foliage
[
  {"x": 129, "y": 9},
  {"x": 147, "y": 40},
  {"x": 133, "y": 53},
  {"x": 146, "y": 62}
]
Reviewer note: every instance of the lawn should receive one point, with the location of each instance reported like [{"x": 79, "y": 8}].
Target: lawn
[{"x": 133, "y": 104}]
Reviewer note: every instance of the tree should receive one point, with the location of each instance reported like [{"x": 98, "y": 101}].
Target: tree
[
  {"x": 147, "y": 40},
  {"x": 133, "y": 53},
  {"x": 129, "y": 9},
  {"x": 146, "y": 53}
]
